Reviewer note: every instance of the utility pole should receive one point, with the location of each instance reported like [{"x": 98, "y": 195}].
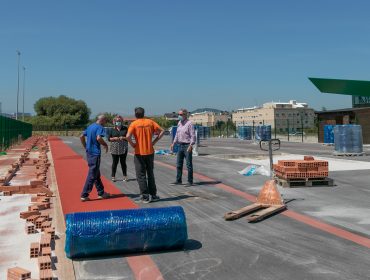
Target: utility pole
[
  {"x": 24, "y": 86},
  {"x": 19, "y": 58}
]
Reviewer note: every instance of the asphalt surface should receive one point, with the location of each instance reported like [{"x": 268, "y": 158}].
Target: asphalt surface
[{"x": 276, "y": 248}]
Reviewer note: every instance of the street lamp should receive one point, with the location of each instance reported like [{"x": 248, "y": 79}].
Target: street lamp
[
  {"x": 24, "y": 86},
  {"x": 19, "y": 58}
]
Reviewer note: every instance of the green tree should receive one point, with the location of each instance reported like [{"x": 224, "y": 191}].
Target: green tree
[
  {"x": 61, "y": 111},
  {"x": 164, "y": 123}
]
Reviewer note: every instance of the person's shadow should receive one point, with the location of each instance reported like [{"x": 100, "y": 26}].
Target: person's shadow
[
  {"x": 112, "y": 196},
  {"x": 176, "y": 198}
]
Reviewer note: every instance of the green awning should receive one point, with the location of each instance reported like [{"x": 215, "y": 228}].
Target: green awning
[{"x": 349, "y": 87}]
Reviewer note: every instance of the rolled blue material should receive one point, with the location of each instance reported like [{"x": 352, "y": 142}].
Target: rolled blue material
[
  {"x": 125, "y": 231},
  {"x": 263, "y": 132},
  {"x": 329, "y": 134},
  {"x": 348, "y": 139},
  {"x": 245, "y": 132}
]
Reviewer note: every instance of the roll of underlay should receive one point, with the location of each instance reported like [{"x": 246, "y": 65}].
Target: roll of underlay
[
  {"x": 348, "y": 139},
  {"x": 125, "y": 231}
]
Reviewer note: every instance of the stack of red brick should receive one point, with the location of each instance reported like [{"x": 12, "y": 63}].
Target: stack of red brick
[
  {"x": 309, "y": 168},
  {"x": 37, "y": 183},
  {"x": 37, "y": 215}
]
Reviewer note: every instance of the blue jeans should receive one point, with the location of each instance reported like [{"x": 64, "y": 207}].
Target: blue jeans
[
  {"x": 93, "y": 176},
  {"x": 181, "y": 154}
]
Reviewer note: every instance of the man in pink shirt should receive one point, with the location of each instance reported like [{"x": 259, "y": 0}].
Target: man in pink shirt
[{"x": 185, "y": 138}]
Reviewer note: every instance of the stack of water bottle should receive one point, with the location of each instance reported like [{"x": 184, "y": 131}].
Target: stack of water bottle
[
  {"x": 329, "y": 134},
  {"x": 348, "y": 139},
  {"x": 245, "y": 132},
  {"x": 263, "y": 133}
]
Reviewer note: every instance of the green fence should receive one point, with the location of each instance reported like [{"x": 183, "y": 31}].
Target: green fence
[{"x": 12, "y": 131}]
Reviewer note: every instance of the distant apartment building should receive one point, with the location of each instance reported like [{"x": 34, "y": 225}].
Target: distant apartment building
[
  {"x": 285, "y": 116},
  {"x": 171, "y": 116},
  {"x": 209, "y": 118}
]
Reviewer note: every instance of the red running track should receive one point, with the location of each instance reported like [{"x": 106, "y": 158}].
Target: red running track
[{"x": 71, "y": 170}]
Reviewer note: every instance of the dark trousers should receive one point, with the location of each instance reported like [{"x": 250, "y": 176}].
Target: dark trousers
[
  {"x": 116, "y": 159},
  {"x": 93, "y": 176},
  {"x": 144, "y": 166},
  {"x": 181, "y": 154}
]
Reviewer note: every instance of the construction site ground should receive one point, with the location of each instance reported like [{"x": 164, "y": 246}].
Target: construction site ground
[{"x": 324, "y": 234}]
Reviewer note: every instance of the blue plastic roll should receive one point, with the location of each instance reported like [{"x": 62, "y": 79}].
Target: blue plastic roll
[
  {"x": 348, "y": 139},
  {"x": 263, "y": 132},
  {"x": 329, "y": 134},
  {"x": 245, "y": 132},
  {"x": 125, "y": 231}
]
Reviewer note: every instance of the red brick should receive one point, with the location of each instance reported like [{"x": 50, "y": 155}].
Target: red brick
[
  {"x": 34, "y": 250},
  {"x": 18, "y": 273},
  {"x": 46, "y": 251},
  {"x": 44, "y": 262},
  {"x": 50, "y": 231},
  {"x": 45, "y": 240},
  {"x": 46, "y": 274},
  {"x": 26, "y": 214},
  {"x": 45, "y": 225},
  {"x": 30, "y": 228},
  {"x": 32, "y": 218},
  {"x": 36, "y": 182}
]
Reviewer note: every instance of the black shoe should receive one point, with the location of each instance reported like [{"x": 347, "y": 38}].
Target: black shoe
[
  {"x": 189, "y": 185},
  {"x": 176, "y": 183},
  {"x": 145, "y": 199},
  {"x": 105, "y": 195},
  {"x": 154, "y": 198}
]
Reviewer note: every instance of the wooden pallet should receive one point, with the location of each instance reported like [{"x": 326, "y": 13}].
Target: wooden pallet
[
  {"x": 349, "y": 154},
  {"x": 296, "y": 183},
  {"x": 256, "y": 212}
]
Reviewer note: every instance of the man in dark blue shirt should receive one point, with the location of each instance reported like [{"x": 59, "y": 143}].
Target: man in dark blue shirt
[{"x": 94, "y": 134}]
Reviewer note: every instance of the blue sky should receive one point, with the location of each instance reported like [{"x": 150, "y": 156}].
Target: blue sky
[{"x": 164, "y": 55}]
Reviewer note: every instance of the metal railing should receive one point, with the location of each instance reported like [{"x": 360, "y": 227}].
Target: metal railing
[{"x": 286, "y": 131}]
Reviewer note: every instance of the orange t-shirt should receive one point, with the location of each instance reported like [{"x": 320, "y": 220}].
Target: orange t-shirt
[{"x": 143, "y": 130}]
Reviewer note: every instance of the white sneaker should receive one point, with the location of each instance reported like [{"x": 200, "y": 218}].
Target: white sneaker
[{"x": 125, "y": 179}]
